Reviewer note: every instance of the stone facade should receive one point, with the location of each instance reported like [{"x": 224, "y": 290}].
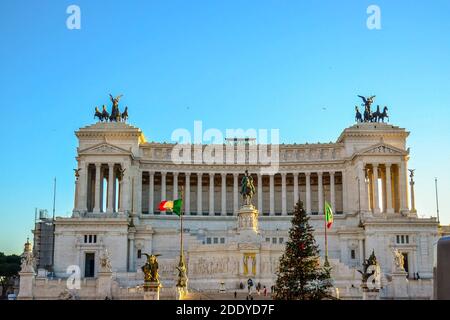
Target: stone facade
[{"x": 363, "y": 175}]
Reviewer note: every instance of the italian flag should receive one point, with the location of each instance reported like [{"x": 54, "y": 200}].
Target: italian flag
[
  {"x": 328, "y": 215},
  {"x": 174, "y": 206}
]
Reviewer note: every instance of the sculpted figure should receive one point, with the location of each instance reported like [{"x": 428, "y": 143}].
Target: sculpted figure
[
  {"x": 247, "y": 188},
  {"x": 150, "y": 268}
]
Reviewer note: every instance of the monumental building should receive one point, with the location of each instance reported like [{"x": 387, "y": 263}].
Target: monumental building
[{"x": 122, "y": 177}]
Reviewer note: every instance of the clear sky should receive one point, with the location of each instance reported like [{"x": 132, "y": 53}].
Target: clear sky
[{"x": 293, "y": 65}]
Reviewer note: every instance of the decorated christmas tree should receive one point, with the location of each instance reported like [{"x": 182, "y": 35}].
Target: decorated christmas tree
[{"x": 300, "y": 275}]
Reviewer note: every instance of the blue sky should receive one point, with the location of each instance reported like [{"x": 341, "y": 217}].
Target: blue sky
[{"x": 292, "y": 65}]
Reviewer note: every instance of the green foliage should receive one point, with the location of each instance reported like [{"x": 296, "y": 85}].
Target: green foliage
[
  {"x": 300, "y": 276},
  {"x": 9, "y": 267}
]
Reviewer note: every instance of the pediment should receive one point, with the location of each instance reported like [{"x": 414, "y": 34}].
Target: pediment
[
  {"x": 104, "y": 148},
  {"x": 382, "y": 149}
]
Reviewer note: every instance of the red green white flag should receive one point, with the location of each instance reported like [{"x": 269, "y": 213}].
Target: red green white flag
[
  {"x": 328, "y": 215},
  {"x": 174, "y": 206}
]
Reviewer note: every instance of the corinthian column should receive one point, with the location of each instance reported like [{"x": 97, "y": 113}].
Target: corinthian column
[
  {"x": 319, "y": 176},
  {"x": 260, "y": 193},
  {"x": 110, "y": 207},
  {"x": 175, "y": 185},
  {"x": 272, "y": 195},
  {"x": 187, "y": 193},
  {"x": 376, "y": 196},
  {"x": 389, "y": 208},
  {"x": 224, "y": 194},
  {"x": 211, "y": 193},
  {"x": 283, "y": 194},
  {"x": 151, "y": 192},
  {"x": 199, "y": 193},
  {"x": 308, "y": 192},
  {"x": 98, "y": 167},
  {"x": 295, "y": 188},
  {"x": 332, "y": 192},
  {"x": 235, "y": 193}
]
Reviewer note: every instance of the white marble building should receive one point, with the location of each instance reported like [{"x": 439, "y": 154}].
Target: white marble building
[{"x": 363, "y": 175}]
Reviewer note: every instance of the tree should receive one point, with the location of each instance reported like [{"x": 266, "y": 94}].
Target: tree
[
  {"x": 300, "y": 275},
  {"x": 9, "y": 268}
]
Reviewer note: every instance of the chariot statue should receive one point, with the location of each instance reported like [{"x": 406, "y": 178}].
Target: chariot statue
[
  {"x": 116, "y": 115},
  {"x": 247, "y": 188}
]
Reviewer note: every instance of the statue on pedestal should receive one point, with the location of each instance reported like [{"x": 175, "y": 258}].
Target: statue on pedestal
[
  {"x": 370, "y": 270},
  {"x": 27, "y": 259},
  {"x": 247, "y": 188},
  {"x": 399, "y": 260},
  {"x": 150, "y": 268},
  {"x": 105, "y": 262}
]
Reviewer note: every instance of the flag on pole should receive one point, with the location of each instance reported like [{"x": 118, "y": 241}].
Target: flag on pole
[
  {"x": 328, "y": 215},
  {"x": 174, "y": 206}
]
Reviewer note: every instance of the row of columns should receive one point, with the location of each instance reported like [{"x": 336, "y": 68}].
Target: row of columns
[
  {"x": 98, "y": 187},
  {"x": 236, "y": 191},
  {"x": 390, "y": 192}
]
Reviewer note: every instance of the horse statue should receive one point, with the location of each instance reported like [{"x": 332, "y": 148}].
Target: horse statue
[
  {"x": 124, "y": 115},
  {"x": 376, "y": 115},
  {"x": 367, "y": 115},
  {"x": 105, "y": 113},
  {"x": 358, "y": 116},
  {"x": 98, "y": 114},
  {"x": 383, "y": 114},
  {"x": 247, "y": 188}
]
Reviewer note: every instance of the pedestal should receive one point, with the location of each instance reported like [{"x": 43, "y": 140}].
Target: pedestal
[
  {"x": 151, "y": 290},
  {"x": 104, "y": 284},
  {"x": 400, "y": 285},
  {"x": 26, "y": 286},
  {"x": 371, "y": 294},
  {"x": 181, "y": 293},
  {"x": 248, "y": 218}
]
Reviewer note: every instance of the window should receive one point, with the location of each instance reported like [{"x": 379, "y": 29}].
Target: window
[
  {"x": 267, "y": 239},
  {"x": 85, "y": 238},
  {"x": 222, "y": 240},
  {"x": 95, "y": 238},
  {"x": 352, "y": 254},
  {"x": 139, "y": 253},
  {"x": 89, "y": 265},
  {"x": 90, "y": 238},
  {"x": 274, "y": 240},
  {"x": 208, "y": 240},
  {"x": 402, "y": 239},
  {"x": 216, "y": 240},
  {"x": 280, "y": 240}
]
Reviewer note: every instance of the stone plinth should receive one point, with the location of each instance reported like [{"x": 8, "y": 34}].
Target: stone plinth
[
  {"x": 371, "y": 294},
  {"x": 151, "y": 290},
  {"x": 181, "y": 293},
  {"x": 400, "y": 285},
  {"x": 104, "y": 283},
  {"x": 26, "y": 286},
  {"x": 248, "y": 218}
]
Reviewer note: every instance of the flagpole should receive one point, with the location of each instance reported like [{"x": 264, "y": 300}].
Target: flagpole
[{"x": 326, "y": 264}]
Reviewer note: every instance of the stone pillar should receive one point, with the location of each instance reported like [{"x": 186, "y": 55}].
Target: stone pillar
[
  {"x": 320, "y": 197},
  {"x": 138, "y": 206},
  {"x": 175, "y": 186},
  {"x": 376, "y": 195},
  {"x": 104, "y": 285},
  {"x": 211, "y": 194},
  {"x": 345, "y": 200},
  {"x": 308, "y": 192},
  {"x": 389, "y": 208},
  {"x": 26, "y": 286},
  {"x": 332, "y": 192},
  {"x": 98, "y": 167},
  {"x": 83, "y": 187},
  {"x": 361, "y": 252},
  {"x": 272, "y": 194},
  {"x": 151, "y": 193},
  {"x": 296, "y": 195},
  {"x": 187, "y": 193},
  {"x": 283, "y": 194},
  {"x": 199, "y": 193},
  {"x": 235, "y": 193},
  {"x": 163, "y": 186},
  {"x": 224, "y": 194},
  {"x": 403, "y": 188},
  {"x": 260, "y": 193},
  {"x": 131, "y": 253},
  {"x": 110, "y": 206}
]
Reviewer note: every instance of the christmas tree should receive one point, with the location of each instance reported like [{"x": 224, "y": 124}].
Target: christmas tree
[{"x": 300, "y": 275}]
